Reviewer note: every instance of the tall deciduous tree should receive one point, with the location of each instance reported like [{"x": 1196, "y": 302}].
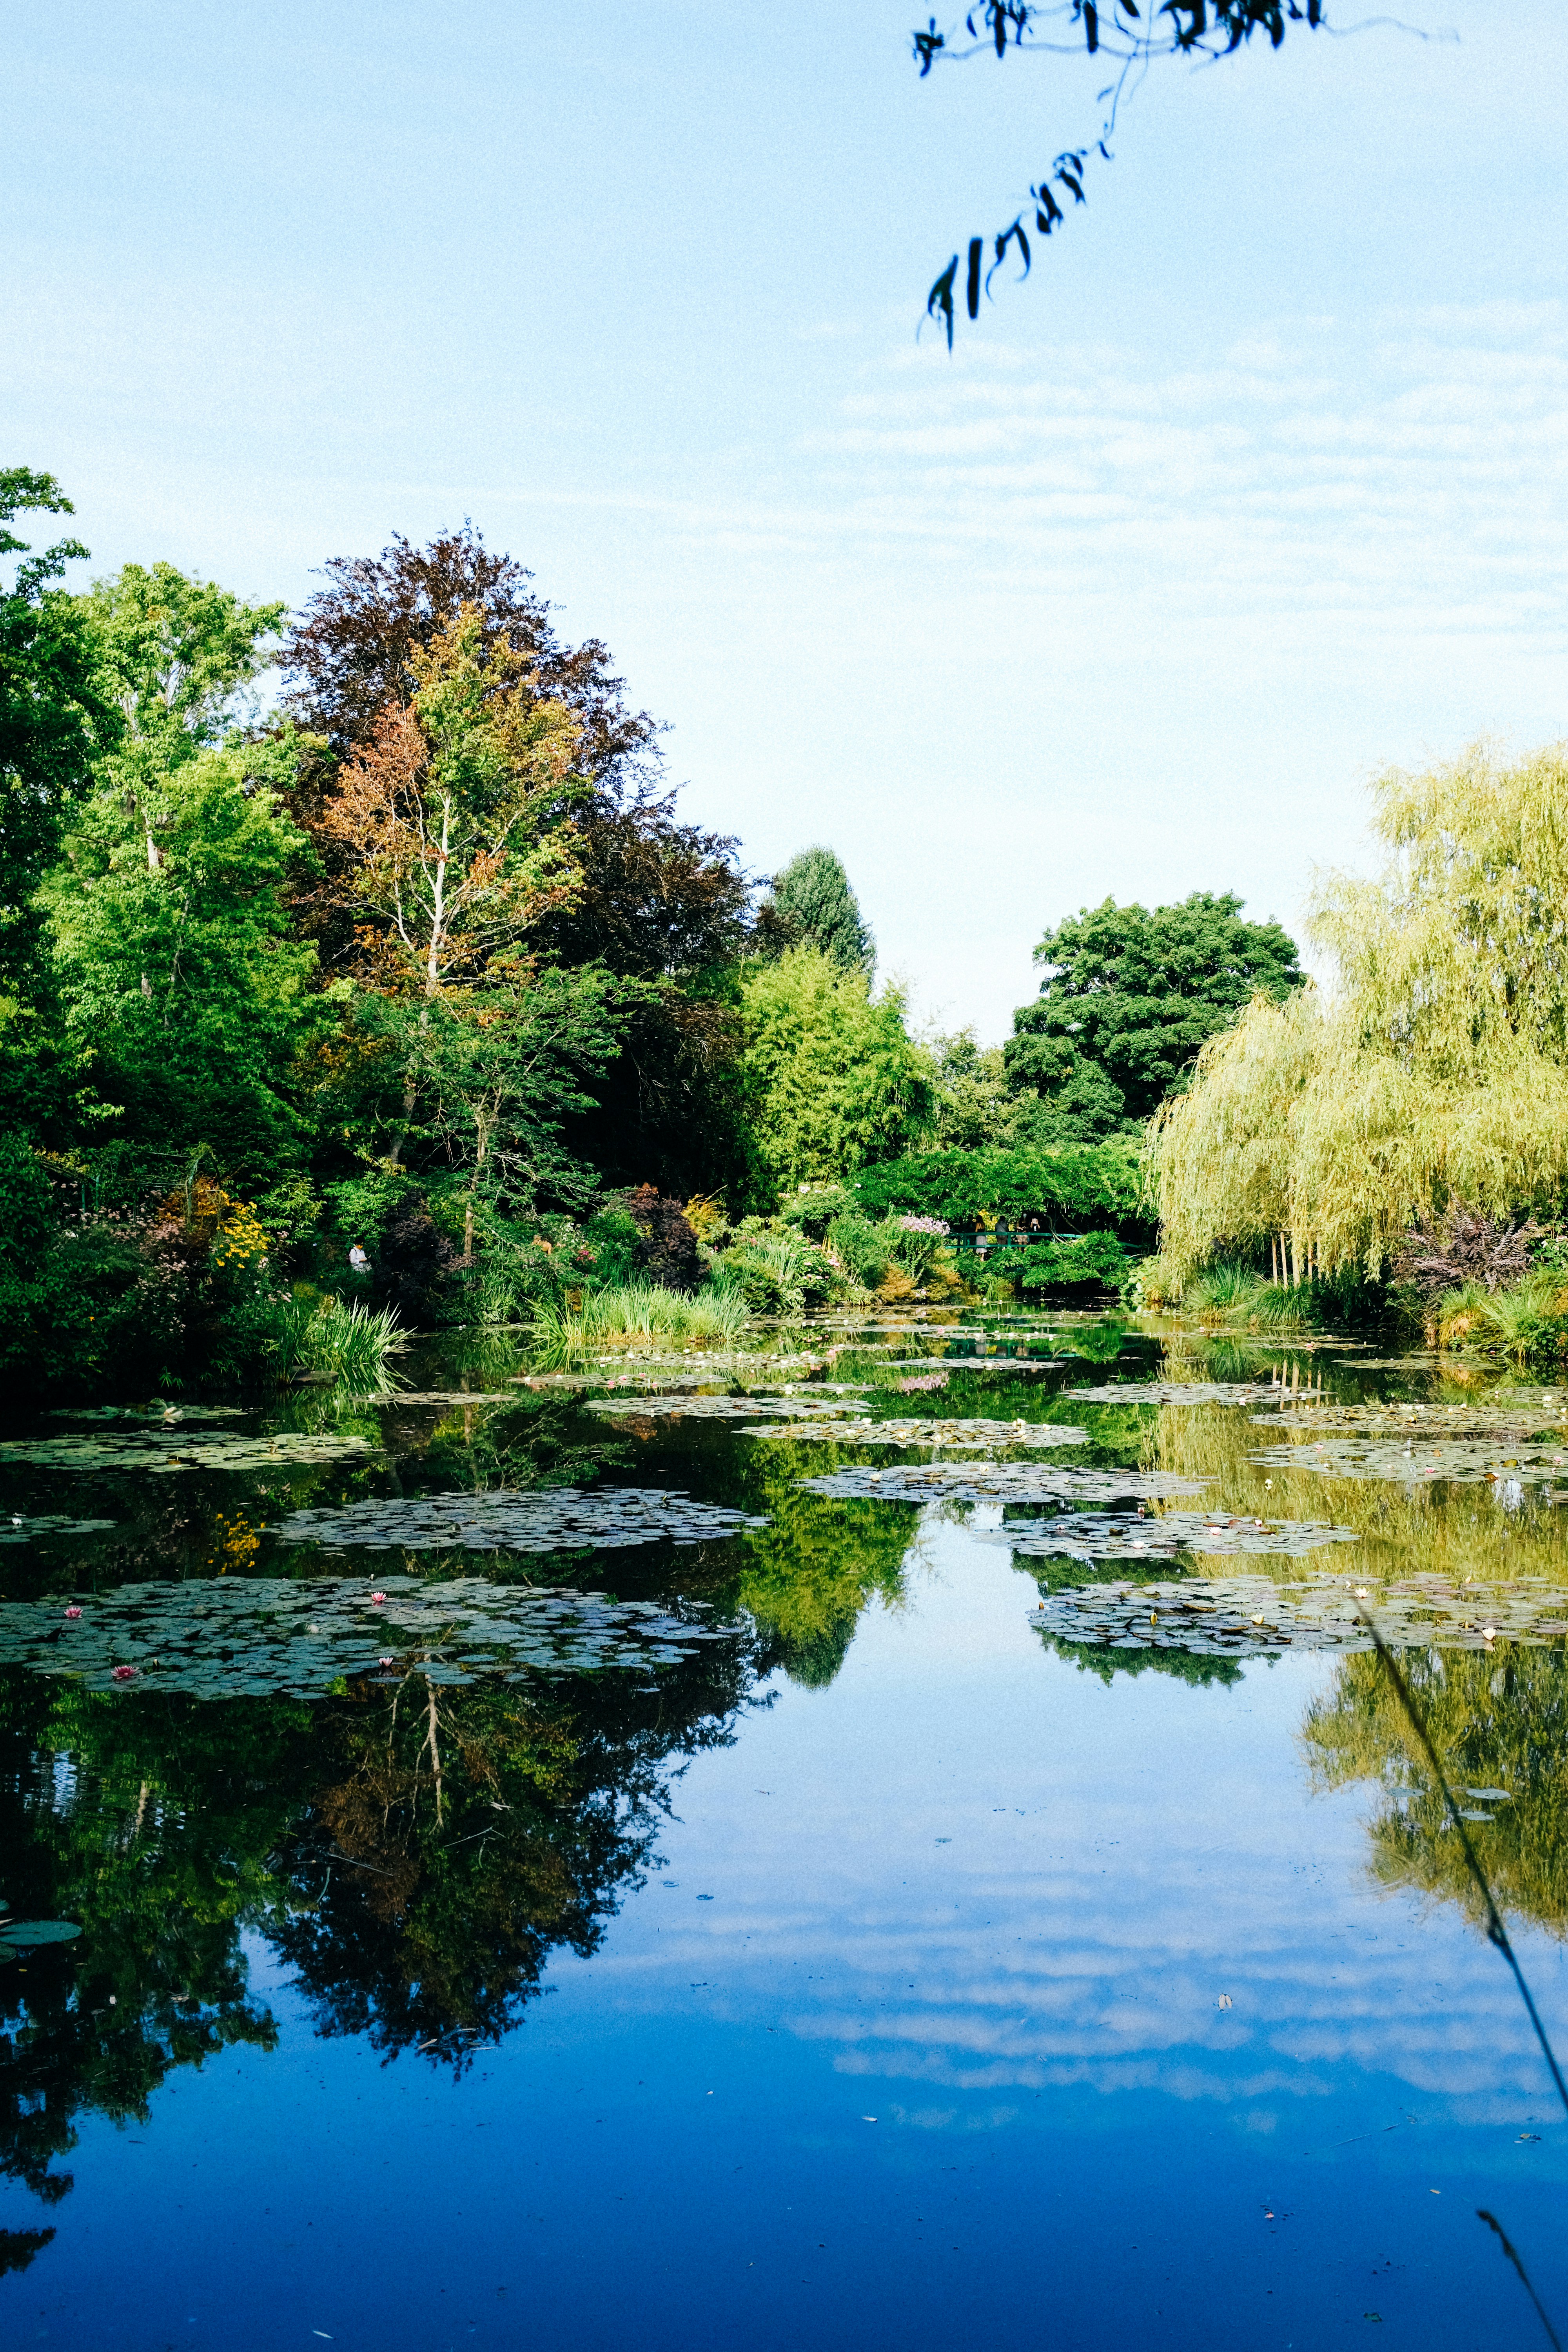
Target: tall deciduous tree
[
  {"x": 54, "y": 724},
  {"x": 1437, "y": 1075},
  {"x": 177, "y": 974},
  {"x": 1129, "y": 998},
  {"x": 833, "y": 1080}
]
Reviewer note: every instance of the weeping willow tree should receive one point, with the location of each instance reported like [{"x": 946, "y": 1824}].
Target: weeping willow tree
[{"x": 1435, "y": 1071}]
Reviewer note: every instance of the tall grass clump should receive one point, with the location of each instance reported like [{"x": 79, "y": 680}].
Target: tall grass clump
[
  {"x": 636, "y": 1315},
  {"x": 354, "y": 1344}
]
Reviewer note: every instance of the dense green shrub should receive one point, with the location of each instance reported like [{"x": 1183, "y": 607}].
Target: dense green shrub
[{"x": 1097, "y": 1184}]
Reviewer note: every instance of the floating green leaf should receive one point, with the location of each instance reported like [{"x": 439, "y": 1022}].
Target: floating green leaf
[
  {"x": 162, "y": 1450},
  {"x": 965, "y": 1435},
  {"x": 1243, "y": 1616},
  {"x": 15, "y": 1530},
  {"x": 546, "y": 1518},
  {"x": 1177, "y": 1392},
  {"x": 1103, "y": 1534},
  {"x": 992, "y": 1482},
  {"x": 257, "y": 1637}
]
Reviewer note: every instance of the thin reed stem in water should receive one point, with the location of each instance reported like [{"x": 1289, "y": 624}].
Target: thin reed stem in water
[
  {"x": 1496, "y": 1932},
  {"x": 1493, "y": 2223}
]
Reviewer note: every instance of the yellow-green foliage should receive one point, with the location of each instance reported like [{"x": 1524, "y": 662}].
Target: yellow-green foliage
[
  {"x": 1500, "y": 1723},
  {"x": 1435, "y": 1071},
  {"x": 832, "y": 1078}
]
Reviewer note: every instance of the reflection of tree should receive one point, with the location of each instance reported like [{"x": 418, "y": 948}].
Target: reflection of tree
[
  {"x": 416, "y": 1850},
  {"x": 455, "y": 1835},
  {"x": 815, "y": 1566},
  {"x": 148, "y": 1827},
  {"x": 1496, "y": 1725},
  {"x": 1460, "y": 1532}
]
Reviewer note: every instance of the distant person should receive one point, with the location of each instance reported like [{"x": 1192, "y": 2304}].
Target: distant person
[{"x": 358, "y": 1260}]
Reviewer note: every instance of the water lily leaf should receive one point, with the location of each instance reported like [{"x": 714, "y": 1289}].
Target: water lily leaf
[
  {"x": 990, "y": 1482},
  {"x": 38, "y": 1931},
  {"x": 976, "y": 1437},
  {"x": 1176, "y": 1393},
  {"x": 1090, "y": 1535}
]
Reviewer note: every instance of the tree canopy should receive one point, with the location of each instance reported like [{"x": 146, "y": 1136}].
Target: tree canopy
[
  {"x": 1129, "y": 998},
  {"x": 1436, "y": 1075},
  {"x": 831, "y": 1078},
  {"x": 811, "y": 905}
]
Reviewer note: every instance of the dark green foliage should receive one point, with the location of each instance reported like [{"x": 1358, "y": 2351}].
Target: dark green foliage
[
  {"x": 1076, "y": 1185},
  {"x": 1129, "y": 997},
  {"x": 811, "y": 905},
  {"x": 1097, "y": 1258}
]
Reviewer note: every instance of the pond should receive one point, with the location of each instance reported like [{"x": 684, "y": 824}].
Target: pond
[{"x": 896, "y": 1837}]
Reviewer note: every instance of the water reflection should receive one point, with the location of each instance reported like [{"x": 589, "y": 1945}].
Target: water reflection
[
  {"x": 1499, "y": 1727},
  {"x": 414, "y": 1854}
]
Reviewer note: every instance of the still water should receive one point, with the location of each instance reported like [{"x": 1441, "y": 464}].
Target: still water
[{"x": 843, "y": 1951}]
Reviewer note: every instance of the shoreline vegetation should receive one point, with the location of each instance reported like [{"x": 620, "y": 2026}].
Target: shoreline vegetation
[{"x": 409, "y": 1003}]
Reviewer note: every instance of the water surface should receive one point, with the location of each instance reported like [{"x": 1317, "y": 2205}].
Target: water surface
[{"x": 884, "y": 1972}]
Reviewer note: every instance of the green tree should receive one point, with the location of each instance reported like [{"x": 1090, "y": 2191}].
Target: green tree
[
  {"x": 172, "y": 954},
  {"x": 1436, "y": 1076},
  {"x": 811, "y": 905},
  {"x": 54, "y": 722},
  {"x": 1128, "y": 998},
  {"x": 975, "y": 1107},
  {"x": 832, "y": 1080}
]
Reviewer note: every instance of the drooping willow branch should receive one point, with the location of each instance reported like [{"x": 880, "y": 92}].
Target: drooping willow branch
[{"x": 1212, "y": 29}]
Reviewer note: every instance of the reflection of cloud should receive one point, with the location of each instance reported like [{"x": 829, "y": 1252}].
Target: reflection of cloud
[{"x": 1114, "y": 1863}]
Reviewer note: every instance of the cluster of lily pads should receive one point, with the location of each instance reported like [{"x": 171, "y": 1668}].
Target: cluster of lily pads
[
  {"x": 1241, "y": 1616},
  {"x": 1539, "y": 1420},
  {"x": 964, "y": 1436},
  {"x": 994, "y": 1482},
  {"x": 16, "y": 1529},
  {"x": 265, "y": 1637},
  {"x": 778, "y": 1405},
  {"x": 502, "y": 1518},
  {"x": 1177, "y": 1392},
  {"x": 165, "y": 1449},
  {"x": 1468, "y": 1461},
  {"x": 1110, "y": 1534}
]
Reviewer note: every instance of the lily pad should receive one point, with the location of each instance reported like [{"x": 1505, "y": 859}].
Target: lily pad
[
  {"x": 1103, "y": 1534},
  {"x": 731, "y": 1408},
  {"x": 25, "y": 1933},
  {"x": 1418, "y": 1460},
  {"x": 15, "y": 1530},
  {"x": 976, "y": 1437},
  {"x": 1176, "y": 1393},
  {"x": 164, "y": 1450},
  {"x": 546, "y": 1518},
  {"x": 257, "y": 1637},
  {"x": 1244, "y": 1616},
  {"x": 992, "y": 1482}
]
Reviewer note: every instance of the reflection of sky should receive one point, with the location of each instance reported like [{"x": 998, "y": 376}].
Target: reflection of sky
[
  {"x": 915, "y": 2041},
  {"x": 983, "y": 1870}
]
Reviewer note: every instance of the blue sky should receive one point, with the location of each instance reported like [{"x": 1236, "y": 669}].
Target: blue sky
[{"x": 1259, "y": 485}]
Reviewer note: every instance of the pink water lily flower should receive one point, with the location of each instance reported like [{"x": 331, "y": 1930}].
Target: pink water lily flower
[
  {"x": 73, "y": 1610},
  {"x": 124, "y": 1673},
  {"x": 377, "y": 1598},
  {"x": 388, "y": 1662}
]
